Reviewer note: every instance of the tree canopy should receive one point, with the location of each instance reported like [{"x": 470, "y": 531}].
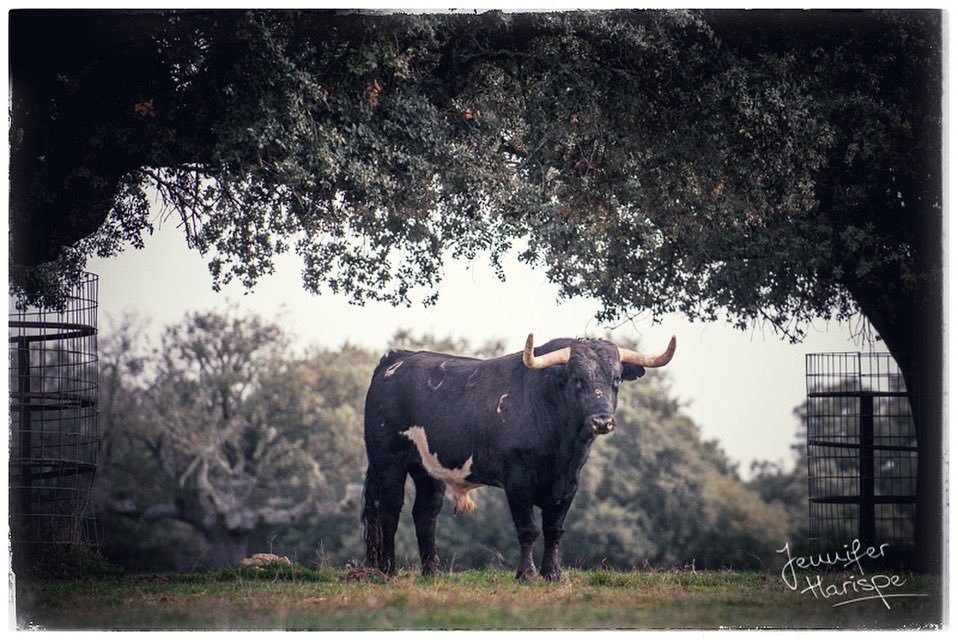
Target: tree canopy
[{"x": 772, "y": 165}]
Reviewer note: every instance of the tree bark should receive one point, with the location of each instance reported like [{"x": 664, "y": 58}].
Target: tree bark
[
  {"x": 922, "y": 368},
  {"x": 227, "y": 547},
  {"x": 912, "y": 330}
]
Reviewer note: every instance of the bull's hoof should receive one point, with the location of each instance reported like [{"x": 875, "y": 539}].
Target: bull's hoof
[
  {"x": 431, "y": 570},
  {"x": 526, "y": 575},
  {"x": 552, "y": 575}
]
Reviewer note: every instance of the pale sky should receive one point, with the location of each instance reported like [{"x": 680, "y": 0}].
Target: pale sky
[{"x": 740, "y": 387}]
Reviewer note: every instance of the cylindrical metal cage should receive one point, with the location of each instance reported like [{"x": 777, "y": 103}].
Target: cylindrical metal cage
[
  {"x": 53, "y": 423},
  {"x": 862, "y": 452}
]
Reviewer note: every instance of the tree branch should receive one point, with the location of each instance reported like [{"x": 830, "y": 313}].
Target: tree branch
[
  {"x": 156, "y": 448},
  {"x": 153, "y": 513},
  {"x": 269, "y": 515}
]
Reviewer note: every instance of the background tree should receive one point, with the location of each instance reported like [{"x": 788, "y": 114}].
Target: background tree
[
  {"x": 788, "y": 488},
  {"x": 771, "y": 166},
  {"x": 218, "y": 422},
  {"x": 654, "y": 494}
]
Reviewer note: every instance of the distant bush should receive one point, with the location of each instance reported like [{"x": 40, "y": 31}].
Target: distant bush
[{"x": 69, "y": 563}]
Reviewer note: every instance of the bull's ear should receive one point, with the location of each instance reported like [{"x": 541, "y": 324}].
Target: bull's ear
[{"x": 632, "y": 371}]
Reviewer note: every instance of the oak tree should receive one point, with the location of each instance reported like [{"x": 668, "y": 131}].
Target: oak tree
[{"x": 770, "y": 166}]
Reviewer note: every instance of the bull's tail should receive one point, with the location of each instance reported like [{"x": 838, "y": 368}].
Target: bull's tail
[{"x": 372, "y": 520}]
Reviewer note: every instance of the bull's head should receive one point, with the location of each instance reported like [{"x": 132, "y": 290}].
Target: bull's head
[{"x": 592, "y": 371}]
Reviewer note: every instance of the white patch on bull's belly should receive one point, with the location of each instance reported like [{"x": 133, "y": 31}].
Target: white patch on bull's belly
[{"x": 455, "y": 479}]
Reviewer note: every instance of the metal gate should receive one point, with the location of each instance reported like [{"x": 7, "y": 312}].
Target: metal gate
[
  {"x": 53, "y": 424},
  {"x": 862, "y": 452}
]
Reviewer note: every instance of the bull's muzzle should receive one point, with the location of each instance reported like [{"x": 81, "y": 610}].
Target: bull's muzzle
[{"x": 602, "y": 424}]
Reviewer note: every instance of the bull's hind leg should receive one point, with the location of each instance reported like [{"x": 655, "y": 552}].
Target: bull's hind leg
[
  {"x": 425, "y": 512},
  {"x": 382, "y": 503}
]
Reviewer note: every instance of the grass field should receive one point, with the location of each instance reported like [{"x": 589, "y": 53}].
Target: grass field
[{"x": 297, "y": 598}]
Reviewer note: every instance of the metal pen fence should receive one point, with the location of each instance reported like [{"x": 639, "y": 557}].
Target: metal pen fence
[
  {"x": 862, "y": 452},
  {"x": 53, "y": 423}
]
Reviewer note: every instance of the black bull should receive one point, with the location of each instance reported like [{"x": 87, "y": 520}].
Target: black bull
[{"x": 524, "y": 422}]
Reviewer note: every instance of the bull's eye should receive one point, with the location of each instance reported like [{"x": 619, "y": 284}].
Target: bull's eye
[
  {"x": 578, "y": 385},
  {"x": 615, "y": 384}
]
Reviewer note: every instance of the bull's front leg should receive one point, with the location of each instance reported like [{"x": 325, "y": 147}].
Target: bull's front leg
[
  {"x": 520, "y": 504},
  {"x": 553, "y": 517}
]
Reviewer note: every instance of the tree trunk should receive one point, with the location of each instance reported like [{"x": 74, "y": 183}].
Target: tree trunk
[
  {"x": 913, "y": 334},
  {"x": 227, "y": 547},
  {"x": 922, "y": 370}
]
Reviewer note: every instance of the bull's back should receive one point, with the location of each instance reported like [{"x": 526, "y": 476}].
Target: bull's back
[
  {"x": 426, "y": 387},
  {"x": 446, "y": 407}
]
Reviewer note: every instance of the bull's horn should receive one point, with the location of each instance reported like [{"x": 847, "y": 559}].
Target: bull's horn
[
  {"x": 559, "y": 356},
  {"x": 632, "y": 357}
]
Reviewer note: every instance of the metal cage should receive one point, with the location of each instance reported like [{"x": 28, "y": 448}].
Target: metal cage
[
  {"x": 862, "y": 452},
  {"x": 53, "y": 423}
]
